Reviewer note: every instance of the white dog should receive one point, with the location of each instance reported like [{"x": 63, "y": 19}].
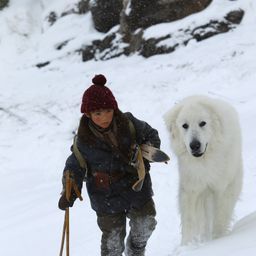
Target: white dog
[{"x": 205, "y": 136}]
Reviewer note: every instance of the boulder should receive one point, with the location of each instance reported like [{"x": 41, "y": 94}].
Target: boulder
[
  {"x": 145, "y": 13},
  {"x": 106, "y": 14},
  {"x": 3, "y": 3}
]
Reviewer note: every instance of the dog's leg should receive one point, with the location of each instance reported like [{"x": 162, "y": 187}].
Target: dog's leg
[
  {"x": 207, "y": 223},
  {"x": 225, "y": 204},
  {"x": 223, "y": 215},
  {"x": 189, "y": 220}
]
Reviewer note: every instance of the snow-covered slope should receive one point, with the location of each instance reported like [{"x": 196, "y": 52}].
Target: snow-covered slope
[{"x": 39, "y": 110}]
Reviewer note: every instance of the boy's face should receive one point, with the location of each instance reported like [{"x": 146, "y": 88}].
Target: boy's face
[{"x": 102, "y": 117}]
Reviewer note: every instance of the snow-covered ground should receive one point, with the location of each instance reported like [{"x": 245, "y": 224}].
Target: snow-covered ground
[{"x": 39, "y": 111}]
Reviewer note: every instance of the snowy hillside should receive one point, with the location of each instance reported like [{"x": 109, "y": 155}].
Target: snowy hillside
[{"x": 40, "y": 110}]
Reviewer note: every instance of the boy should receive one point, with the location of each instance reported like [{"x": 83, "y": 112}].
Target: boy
[{"x": 106, "y": 142}]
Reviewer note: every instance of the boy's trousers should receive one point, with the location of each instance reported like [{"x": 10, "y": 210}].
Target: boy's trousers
[{"x": 142, "y": 223}]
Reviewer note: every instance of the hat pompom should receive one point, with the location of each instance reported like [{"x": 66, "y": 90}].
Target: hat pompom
[{"x": 99, "y": 80}]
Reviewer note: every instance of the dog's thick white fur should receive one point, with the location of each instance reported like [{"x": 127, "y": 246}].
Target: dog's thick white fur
[{"x": 206, "y": 138}]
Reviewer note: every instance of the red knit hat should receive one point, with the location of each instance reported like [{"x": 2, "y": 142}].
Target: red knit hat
[{"x": 98, "y": 96}]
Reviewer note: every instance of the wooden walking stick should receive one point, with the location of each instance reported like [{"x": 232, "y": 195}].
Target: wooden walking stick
[
  {"x": 70, "y": 184},
  {"x": 68, "y": 194},
  {"x": 63, "y": 236},
  {"x": 65, "y": 232}
]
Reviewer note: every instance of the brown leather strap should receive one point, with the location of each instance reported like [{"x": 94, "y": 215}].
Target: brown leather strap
[
  {"x": 70, "y": 184},
  {"x": 137, "y": 186},
  {"x": 67, "y": 185},
  {"x": 78, "y": 194},
  {"x": 81, "y": 160}
]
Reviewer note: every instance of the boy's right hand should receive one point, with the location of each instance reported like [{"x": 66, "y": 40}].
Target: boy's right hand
[{"x": 64, "y": 203}]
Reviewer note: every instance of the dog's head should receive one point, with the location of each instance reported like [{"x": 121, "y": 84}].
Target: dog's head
[{"x": 191, "y": 124}]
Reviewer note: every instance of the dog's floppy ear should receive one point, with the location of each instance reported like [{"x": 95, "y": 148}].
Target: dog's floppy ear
[
  {"x": 216, "y": 114},
  {"x": 170, "y": 118}
]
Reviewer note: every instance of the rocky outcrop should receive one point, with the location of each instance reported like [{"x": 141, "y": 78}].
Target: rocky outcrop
[
  {"x": 134, "y": 14},
  {"x": 145, "y": 13},
  {"x": 124, "y": 23},
  {"x": 153, "y": 46},
  {"x": 113, "y": 45}
]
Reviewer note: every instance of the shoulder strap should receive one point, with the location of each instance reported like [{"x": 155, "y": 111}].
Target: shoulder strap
[
  {"x": 79, "y": 157},
  {"x": 138, "y": 158},
  {"x": 132, "y": 130}
]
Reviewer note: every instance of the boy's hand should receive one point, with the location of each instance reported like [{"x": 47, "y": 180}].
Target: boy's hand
[
  {"x": 71, "y": 191},
  {"x": 64, "y": 203}
]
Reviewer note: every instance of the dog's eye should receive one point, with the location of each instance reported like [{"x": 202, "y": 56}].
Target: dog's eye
[
  {"x": 202, "y": 124},
  {"x": 185, "y": 126}
]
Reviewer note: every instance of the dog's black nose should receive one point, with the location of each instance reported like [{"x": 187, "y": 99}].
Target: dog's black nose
[{"x": 195, "y": 145}]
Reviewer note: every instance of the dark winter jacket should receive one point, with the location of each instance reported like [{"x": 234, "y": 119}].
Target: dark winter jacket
[{"x": 103, "y": 158}]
